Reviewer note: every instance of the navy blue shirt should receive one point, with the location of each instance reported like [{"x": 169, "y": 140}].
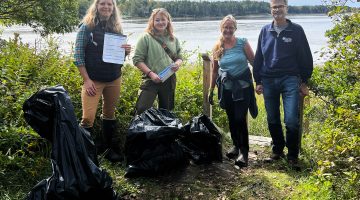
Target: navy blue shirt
[{"x": 287, "y": 53}]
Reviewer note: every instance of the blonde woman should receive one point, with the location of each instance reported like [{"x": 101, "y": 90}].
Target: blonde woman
[
  {"x": 233, "y": 78},
  {"x": 155, "y": 50},
  {"x": 101, "y": 79}
]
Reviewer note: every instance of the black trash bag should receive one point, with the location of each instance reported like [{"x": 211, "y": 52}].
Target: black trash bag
[
  {"x": 202, "y": 140},
  {"x": 75, "y": 175},
  {"x": 150, "y": 147}
]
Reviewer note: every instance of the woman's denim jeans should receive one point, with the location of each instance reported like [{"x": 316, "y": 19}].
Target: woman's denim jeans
[{"x": 287, "y": 88}]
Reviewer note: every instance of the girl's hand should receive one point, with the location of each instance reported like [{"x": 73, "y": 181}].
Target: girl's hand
[
  {"x": 90, "y": 87},
  {"x": 127, "y": 48},
  {"x": 176, "y": 65},
  {"x": 154, "y": 77}
]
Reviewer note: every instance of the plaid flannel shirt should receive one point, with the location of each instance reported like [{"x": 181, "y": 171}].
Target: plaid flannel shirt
[{"x": 82, "y": 38}]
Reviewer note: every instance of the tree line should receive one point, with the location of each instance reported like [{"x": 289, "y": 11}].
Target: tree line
[
  {"x": 60, "y": 16},
  {"x": 198, "y": 9}
]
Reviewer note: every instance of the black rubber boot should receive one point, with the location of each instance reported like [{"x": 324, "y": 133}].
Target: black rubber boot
[
  {"x": 90, "y": 146},
  {"x": 233, "y": 152},
  {"x": 242, "y": 159},
  {"x": 112, "y": 152}
]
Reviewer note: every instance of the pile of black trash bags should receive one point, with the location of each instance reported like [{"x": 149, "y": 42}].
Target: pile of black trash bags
[
  {"x": 156, "y": 143},
  {"x": 75, "y": 173}
]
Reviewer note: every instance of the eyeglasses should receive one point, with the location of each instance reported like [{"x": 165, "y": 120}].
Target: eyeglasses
[{"x": 277, "y": 7}]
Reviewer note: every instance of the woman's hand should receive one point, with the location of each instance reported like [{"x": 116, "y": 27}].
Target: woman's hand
[
  {"x": 127, "y": 48},
  {"x": 176, "y": 65},
  {"x": 154, "y": 77},
  {"x": 90, "y": 87},
  {"x": 211, "y": 96}
]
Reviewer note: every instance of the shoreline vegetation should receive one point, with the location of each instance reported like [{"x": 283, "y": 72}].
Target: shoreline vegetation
[
  {"x": 330, "y": 156},
  {"x": 177, "y": 19},
  {"x": 217, "y": 18},
  {"x": 199, "y": 9}
]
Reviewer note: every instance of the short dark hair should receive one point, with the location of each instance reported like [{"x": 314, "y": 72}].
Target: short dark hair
[{"x": 285, "y": 1}]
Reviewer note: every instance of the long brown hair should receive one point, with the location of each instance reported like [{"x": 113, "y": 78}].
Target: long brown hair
[
  {"x": 113, "y": 23},
  {"x": 218, "y": 49},
  {"x": 169, "y": 28}
]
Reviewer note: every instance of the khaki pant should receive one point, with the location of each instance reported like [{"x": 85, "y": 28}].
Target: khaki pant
[
  {"x": 164, "y": 91},
  {"x": 110, "y": 92}
]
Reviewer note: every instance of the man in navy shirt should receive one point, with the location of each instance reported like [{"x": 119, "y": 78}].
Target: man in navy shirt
[{"x": 283, "y": 64}]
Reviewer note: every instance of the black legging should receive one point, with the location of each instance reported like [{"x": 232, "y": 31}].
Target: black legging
[{"x": 236, "y": 112}]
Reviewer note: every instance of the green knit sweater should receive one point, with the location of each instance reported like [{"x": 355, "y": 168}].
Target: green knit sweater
[{"x": 149, "y": 51}]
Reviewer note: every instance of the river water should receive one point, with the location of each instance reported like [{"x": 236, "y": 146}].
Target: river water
[{"x": 199, "y": 35}]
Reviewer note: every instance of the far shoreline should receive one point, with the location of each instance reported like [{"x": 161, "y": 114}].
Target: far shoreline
[{"x": 252, "y": 16}]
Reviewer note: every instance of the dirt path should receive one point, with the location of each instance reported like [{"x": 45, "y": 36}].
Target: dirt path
[{"x": 220, "y": 181}]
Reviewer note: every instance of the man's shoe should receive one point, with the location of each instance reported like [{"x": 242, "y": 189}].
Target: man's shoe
[
  {"x": 275, "y": 157},
  {"x": 234, "y": 152},
  {"x": 294, "y": 164}
]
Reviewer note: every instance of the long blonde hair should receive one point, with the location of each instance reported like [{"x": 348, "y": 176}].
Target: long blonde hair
[
  {"x": 218, "y": 49},
  {"x": 169, "y": 28},
  {"x": 91, "y": 19}
]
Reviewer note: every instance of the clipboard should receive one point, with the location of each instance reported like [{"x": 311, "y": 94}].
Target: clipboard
[{"x": 113, "y": 53}]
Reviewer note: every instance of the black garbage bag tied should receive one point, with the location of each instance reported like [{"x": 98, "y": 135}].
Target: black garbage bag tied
[
  {"x": 75, "y": 172},
  {"x": 151, "y": 146},
  {"x": 157, "y": 142},
  {"x": 202, "y": 140}
]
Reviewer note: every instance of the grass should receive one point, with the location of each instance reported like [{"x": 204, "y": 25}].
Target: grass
[
  {"x": 215, "y": 181},
  {"x": 218, "y": 181},
  {"x": 258, "y": 126},
  {"x": 19, "y": 174}
]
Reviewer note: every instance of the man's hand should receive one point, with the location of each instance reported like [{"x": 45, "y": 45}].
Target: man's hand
[
  {"x": 304, "y": 90},
  {"x": 259, "y": 89},
  {"x": 211, "y": 96}
]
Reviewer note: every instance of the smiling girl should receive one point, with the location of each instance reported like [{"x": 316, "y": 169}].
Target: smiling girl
[
  {"x": 155, "y": 50},
  {"x": 101, "y": 79}
]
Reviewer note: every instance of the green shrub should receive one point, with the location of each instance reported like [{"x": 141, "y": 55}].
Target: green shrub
[{"x": 334, "y": 145}]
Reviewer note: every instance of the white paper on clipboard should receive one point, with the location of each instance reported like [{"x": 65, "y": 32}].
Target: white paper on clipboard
[
  {"x": 166, "y": 73},
  {"x": 113, "y": 53}
]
